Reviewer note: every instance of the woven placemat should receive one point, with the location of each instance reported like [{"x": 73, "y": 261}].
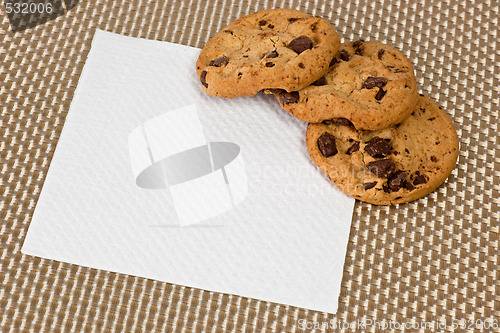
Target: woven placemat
[{"x": 432, "y": 260}]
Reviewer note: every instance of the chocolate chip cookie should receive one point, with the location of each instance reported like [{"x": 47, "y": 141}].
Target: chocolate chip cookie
[
  {"x": 370, "y": 84},
  {"x": 271, "y": 49},
  {"x": 397, "y": 164}
]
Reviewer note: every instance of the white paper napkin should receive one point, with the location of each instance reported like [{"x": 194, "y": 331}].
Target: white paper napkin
[{"x": 251, "y": 216}]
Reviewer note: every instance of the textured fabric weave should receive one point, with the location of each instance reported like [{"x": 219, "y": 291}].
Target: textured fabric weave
[{"x": 434, "y": 259}]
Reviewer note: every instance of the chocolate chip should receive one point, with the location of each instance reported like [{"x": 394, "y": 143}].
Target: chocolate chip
[
  {"x": 354, "y": 148},
  {"x": 228, "y": 31},
  {"x": 289, "y": 97},
  {"x": 300, "y": 44},
  {"x": 397, "y": 180},
  {"x": 338, "y": 121},
  {"x": 273, "y": 54},
  {"x": 373, "y": 81},
  {"x": 358, "y": 46},
  {"x": 378, "y": 147},
  {"x": 269, "y": 64},
  {"x": 395, "y": 69},
  {"x": 262, "y": 22},
  {"x": 380, "y": 53},
  {"x": 219, "y": 62},
  {"x": 409, "y": 186},
  {"x": 344, "y": 55},
  {"x": 273, "y": 91},
  {"x": 358, "y": 43},
  {"x": 270, "y": 26},
  {"x": 370, "y": 185},
  {"x": 326, "y": 144},
  {"x": 203, "y": 79},
  {"x": 434, "y": 159},
  {"x": 401, "y": 70},
  {"x": 381, "y": 168},
  {"x": 333, "y": 62},
  {"x": 343, "y": 122},
  {"x": 319, "y": 82},
  {"x": 431, "y": 119},
  {"x": 293, "y": 19},
  {"x": 419, "y": 179},
  {"x": 407, "y": 151},
  {"x": 380, "y": 94},
  {"x": 301, "y": 65}
]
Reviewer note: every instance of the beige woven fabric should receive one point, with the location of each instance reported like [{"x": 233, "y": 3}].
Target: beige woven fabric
[{"x": 434, "y": 259}]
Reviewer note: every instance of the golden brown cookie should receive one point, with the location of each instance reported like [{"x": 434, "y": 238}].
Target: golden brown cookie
[
  {"x": 370, "y": 83},
  {"x": 271, "y": 49},
  {"x": 390, "y": 166}
]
